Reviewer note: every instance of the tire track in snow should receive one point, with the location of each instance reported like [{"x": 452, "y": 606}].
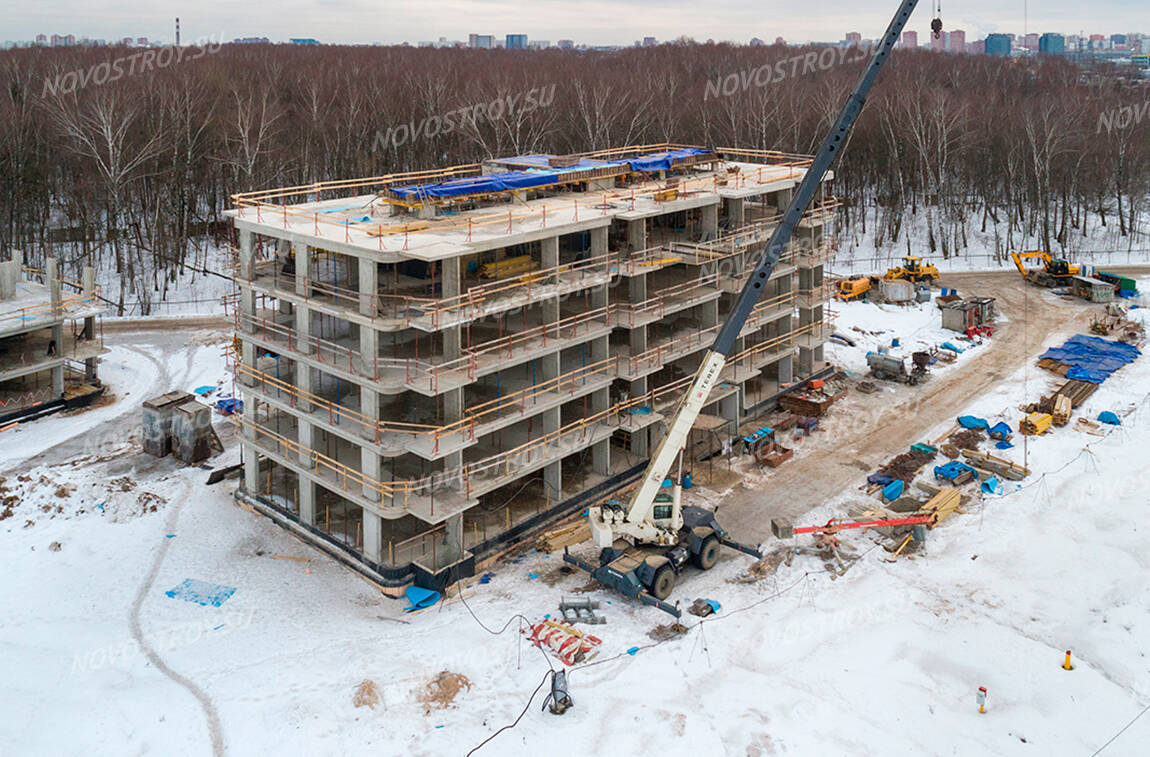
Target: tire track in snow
[{"x": 209, "y": 707}]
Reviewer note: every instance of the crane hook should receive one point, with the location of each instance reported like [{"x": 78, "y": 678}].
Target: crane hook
[{"x": 936, "y": 24}]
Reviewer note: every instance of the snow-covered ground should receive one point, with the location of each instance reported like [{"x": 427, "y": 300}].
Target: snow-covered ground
[
  {"x": 883, "y": 659},
  {"x": 872, "y": 326},
  {"x": 1101, "y": 246}
]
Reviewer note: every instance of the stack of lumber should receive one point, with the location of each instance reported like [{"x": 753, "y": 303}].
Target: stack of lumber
[
  {"x": 944, "y": 503},
  {"x": 996, "y": 465},
  {"x": 566, "y": 535}
]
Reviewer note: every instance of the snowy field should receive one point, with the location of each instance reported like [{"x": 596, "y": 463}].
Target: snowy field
[{"x": 885, "y": 658}]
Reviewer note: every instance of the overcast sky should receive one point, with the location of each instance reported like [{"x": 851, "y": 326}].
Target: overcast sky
[{"x": 585, "y": 21}]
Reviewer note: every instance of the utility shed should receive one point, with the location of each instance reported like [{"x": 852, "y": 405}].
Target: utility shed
[
  {"x": 157, "y": 421},
  {"x": 192, "y": 432},
  {"x": 962, "y": 315},
  {"x": 1090, "y": 289},
  {"x": 896, "y": 290}
]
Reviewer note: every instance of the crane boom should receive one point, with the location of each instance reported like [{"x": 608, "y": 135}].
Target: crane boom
[{"x": 715, "y": 359}]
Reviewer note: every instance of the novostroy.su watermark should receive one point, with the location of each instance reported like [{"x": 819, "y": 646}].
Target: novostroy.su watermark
[
  {"x": 140, "y": 62},
  {"x": 1125, "y": 117},
  {"x": 796, "y": 65},
  {"x": 469, "y": 116}
]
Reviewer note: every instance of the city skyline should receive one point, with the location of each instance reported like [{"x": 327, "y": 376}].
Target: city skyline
[{"x": 596, "y": 23}]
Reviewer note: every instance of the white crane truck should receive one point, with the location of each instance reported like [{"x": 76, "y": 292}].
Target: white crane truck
[{"x": 644, "y": 546}]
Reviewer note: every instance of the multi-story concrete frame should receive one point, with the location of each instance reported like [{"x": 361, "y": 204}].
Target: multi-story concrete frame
[
  {"x": 49, "y": 345},
  {"x": 428, "y": 376}
]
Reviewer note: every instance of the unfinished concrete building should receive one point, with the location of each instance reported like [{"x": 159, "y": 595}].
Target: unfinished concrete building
[
  {"x": 435, "y": 364},
  {"x": 49, "y": 345}
]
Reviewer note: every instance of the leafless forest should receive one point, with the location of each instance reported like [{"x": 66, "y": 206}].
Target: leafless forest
[{"x": 137, "y": 171}]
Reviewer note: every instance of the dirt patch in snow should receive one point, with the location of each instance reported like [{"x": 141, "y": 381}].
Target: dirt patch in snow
[
  {"x": 366, "y": 694},
  {"x": 441, "y": 691}
]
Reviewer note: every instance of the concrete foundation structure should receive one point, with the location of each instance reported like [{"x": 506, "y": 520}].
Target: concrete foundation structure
[
  {"x": 49, "y": 341},
  {"x": 427, "y": 378}
]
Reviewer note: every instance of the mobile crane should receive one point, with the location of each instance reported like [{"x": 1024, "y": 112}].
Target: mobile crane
[{"x": 644, "y": 545}]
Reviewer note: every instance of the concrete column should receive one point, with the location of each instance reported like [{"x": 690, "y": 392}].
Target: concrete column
[
  {"x": 601, "y": 401},
  {"x": 452, "y": 342},
  {"x": 303, "y": 328},
  {"x": 369, "y": 466},
  {"x": 303, "y": 383},
  {"x": 302, "y": 270},
  {"x": 549, "y": 253},
  {"x": 251, "y": 469},
  {"x": 637, "y": 234},
  {"x": 639, "y": 438},
  {"x": 453, "y": 531},
  {"x": 247, "y": 255},
  {"x": 638, "y": 340},
  {"x": 306, "y": 501},
  {"x": 709, "y": 314},
  {"x": 637, "y": 288},
  {"x": 599, "y": 241},
  {"x": 736, "y": 211},
  {"x": 372, "y": 536},
  {"x": 710, "y": 221},
  {"x": 368, "y": 347},
  {"x": 453, "y": 405},
  {"x": 451, "y": 278},
  {"x": 368, "y": 288},
  {"x": 553, "y": 473}
]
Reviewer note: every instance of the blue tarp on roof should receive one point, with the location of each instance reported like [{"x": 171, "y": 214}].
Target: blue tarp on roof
[
  {"x": 1092, "y": 358},
  {"x": 502, "y": 182},
  {"x": 664, "y": 161}
]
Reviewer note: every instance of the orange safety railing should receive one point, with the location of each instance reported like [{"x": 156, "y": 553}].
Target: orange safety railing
[
  {"x": 49, "y": 310},
  {"x": 271, "y": 206},
  {"x": 625, "y": 313}
]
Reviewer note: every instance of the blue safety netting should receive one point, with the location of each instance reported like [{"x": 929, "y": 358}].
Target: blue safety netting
[{"x": 1092, "y": 358}]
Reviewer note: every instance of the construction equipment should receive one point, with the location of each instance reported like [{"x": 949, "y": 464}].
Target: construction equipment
[
  {"x": 884, "y": 366},
  {"x": 853, "y": 288},
  {"x": 913, "y": 269},
  {"x": 644, "y": 546},
  {"x": 1053, "y": 272}
]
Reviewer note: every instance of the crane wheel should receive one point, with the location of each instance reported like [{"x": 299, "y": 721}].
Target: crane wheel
[
  {"x": 708, "y": 553},
  {"x": 664, "y": 582}
]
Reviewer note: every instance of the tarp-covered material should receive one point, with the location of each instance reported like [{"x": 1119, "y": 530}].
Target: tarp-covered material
[
  {"x": 1001, "y": 430},
  {"x": 665, "y": 161},
  {"x": 952, "y": 470},
  {"x": 951, "y": 347},
  {"x": 500, "y": 182},
  {"x": 878, "y": 478},
  {"x": 535, "y": 177},
  {"x": 893, "y": 490},
  {"x": 992, "y": 486},
  {"x": 1092, "y": 358},
  {"x": 1107, "y": 416},
  {"x": 420, "y": 598},
  {"x": 970, "y": 421}
]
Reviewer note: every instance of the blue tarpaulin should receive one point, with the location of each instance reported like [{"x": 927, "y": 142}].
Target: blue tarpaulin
[
  {"x": 952, "y": 470},
  {"x": 1001, "y": 431},
  {"x": 992, "y": 486},
  {"x": 893, "y": 490},
  {"x": 535, "y": 177},
  {"x": 1108, "y": 417},
  {"x": 420, "y": 598},
  {"x": 1004, "y": 445},
  {"x": 1091, "y": 358},
  {"x": 201, "y": 592},
  {"x": 951, "y": 347},
  {"x": 970, "y": 421},
  {"x": 878, "y": 478}
]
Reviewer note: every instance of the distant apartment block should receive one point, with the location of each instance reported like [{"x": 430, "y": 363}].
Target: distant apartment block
[
  {"x": 956, "y": 41},
  {"x": 481, "y": 41},
  {"x": 310, "y": 41},
  {"x": 910, "y": 39},
  {"x": 1052, "y": 44},
  {"x": 650, "y": 41},
  {"x": 515, "y": 42},
  {"x": 853, "y": 38},
  {"x": 565, "y": 44},
  {"x": 998, "y": 44},
  {"x": 437, "y": 365}
]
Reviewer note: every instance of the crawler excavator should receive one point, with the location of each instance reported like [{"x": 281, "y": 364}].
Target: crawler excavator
[
  {"x": 1053, "y": 272},
  {"x": 645, "y": 545}
]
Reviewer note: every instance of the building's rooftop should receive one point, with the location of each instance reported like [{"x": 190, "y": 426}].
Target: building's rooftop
[{"x": 431, "y": 215}]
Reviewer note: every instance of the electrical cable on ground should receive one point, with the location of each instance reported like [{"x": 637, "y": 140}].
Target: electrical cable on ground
[
  {"x": 1115, "y": 736},
  {"x": 514, "y": 723}
]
